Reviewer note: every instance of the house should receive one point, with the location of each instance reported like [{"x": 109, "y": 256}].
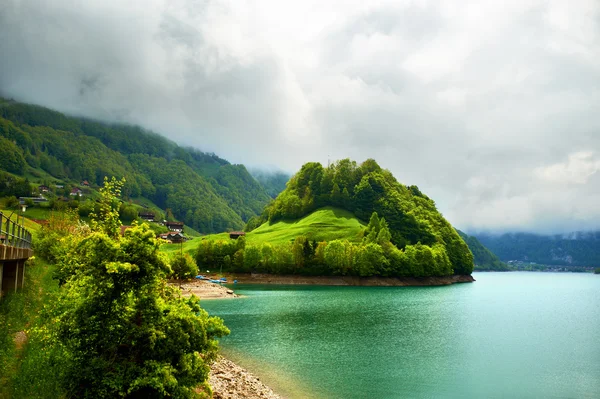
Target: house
[
  {"x": 147, "y": 216},
  {"x": 173, "y": 237},
  {"x": 175, "y": 226},
  {"x": 234, "y": 235},
  {"x": 76, "y": 192},
  {"x": 43, "y": 189},
  {"x": 59, "y": 186},
  {"x": 85, "y": 183}
]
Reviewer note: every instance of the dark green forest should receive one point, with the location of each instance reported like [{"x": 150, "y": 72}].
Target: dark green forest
[
  {"x": 411, "y": 216},
  {"x": 485, "y": 260},
  {"x": 204, "y": 191},
  {"x": 576, "y": 249}
]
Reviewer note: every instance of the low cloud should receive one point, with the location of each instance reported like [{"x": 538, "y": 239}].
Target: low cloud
[{"x": 492, "y": 108}]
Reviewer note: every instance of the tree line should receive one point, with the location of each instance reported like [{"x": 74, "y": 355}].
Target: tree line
[{"x": 373, "y": 255}]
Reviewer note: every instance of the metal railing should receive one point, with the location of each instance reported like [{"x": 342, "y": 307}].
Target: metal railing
[{"x": 13, "y": 234}]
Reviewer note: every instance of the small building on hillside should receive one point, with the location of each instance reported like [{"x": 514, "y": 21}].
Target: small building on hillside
[
  {"x": 175, "y": 226},
  {"x": 43, "y": 188},
  {"x": 147, "y": 216},
  {"x": 85, "y": 183},
  {"x": 234, "y": 235},
  {"x": 36, "y": 200},
  {"x": 76, "y": 192},
  {"x": 173, "y": 237}
]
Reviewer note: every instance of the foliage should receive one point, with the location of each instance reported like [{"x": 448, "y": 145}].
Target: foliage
[
  {"x": 11, "y": 185},
  {"x": 122, "y": 330},
  {"x": 336, "y": 257},
  {"x": 183, "y": 266},
  {"x": 597, "y": 270},
  {"x": 484, "y": 259},
  {"x": 411, "y": 217},
  {"x": 107, "y": 218},
  {"x": 32, "y": 371},
  {"x": 11, "y": 156}
]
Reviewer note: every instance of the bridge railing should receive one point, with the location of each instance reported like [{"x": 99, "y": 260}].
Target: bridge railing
[{"x": 13, "y": 234}]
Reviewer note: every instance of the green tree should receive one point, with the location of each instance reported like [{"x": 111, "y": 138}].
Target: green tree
[
  {"x": 123, "y": 331},
  {"x": 183, "y": 267},
  {"x": 107, "y": 218}
]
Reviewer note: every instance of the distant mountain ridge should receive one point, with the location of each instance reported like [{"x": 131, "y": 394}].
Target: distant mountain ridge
[
  {"x": 576, "y": 249},
  {"x": 203, "y": 190}
]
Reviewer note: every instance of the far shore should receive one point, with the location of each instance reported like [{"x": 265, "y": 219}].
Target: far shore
[{"x": 256, "y": 278}]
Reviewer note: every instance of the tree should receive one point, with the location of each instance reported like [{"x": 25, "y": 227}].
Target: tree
[
  {"x": 124, "y": 331},
  {"x": 107, "y": 217},
  {"x": 183, "y": 267}
]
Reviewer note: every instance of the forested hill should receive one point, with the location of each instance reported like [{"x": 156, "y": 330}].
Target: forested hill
[
  {"x": 577, "y": 249},
  {"x": 203, "y": 190},
  {"x": 362, "y": 189},
  {"x": 484, "y": 258}
]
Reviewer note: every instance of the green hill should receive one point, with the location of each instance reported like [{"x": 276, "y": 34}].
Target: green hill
[
  {"x": 313, "y": 227},
  {"x": 43, "y": 146},
  {"x": 485, "y": 260}
]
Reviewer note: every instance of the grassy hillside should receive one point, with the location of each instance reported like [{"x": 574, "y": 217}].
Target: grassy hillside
[{"x": 326, "y": 224}]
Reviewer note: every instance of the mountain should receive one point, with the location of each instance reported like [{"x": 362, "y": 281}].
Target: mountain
[
  {"x": 273, "y": 182},
  {"x": 410, "y": 216},
  {"x": 204, "y": 191},
  {"x": 485, "y": 260},
  {"x": 576, "y": 249}
]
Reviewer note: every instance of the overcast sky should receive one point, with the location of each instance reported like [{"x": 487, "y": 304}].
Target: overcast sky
[{"x": 491, "y": 107}]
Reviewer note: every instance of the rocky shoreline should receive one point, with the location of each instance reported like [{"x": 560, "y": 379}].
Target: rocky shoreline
[{"x": 230, "y": 381}]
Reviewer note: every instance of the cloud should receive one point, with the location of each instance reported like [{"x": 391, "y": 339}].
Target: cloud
[
  {"x": 578, "y": 169},
  {"x": 492, "y": 108}
]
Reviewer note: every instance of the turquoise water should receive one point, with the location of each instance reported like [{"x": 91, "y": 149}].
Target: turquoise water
[{"x": 508, "y": 335}]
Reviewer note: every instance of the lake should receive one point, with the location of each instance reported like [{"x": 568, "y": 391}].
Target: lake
[{"x": 508, "y": 335}]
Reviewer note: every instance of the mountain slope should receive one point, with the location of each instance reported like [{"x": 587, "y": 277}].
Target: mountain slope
[
  {"x": 484, "y": 259},
  {"x": 205, "y": 191}
]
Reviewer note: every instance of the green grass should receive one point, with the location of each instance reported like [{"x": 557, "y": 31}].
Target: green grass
[
  {"x": 25, "y": 373},
  {"x": 188, "y": 247},
  {"x": 29, "y": 225},
  {"x": 325, "y": 224}
]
